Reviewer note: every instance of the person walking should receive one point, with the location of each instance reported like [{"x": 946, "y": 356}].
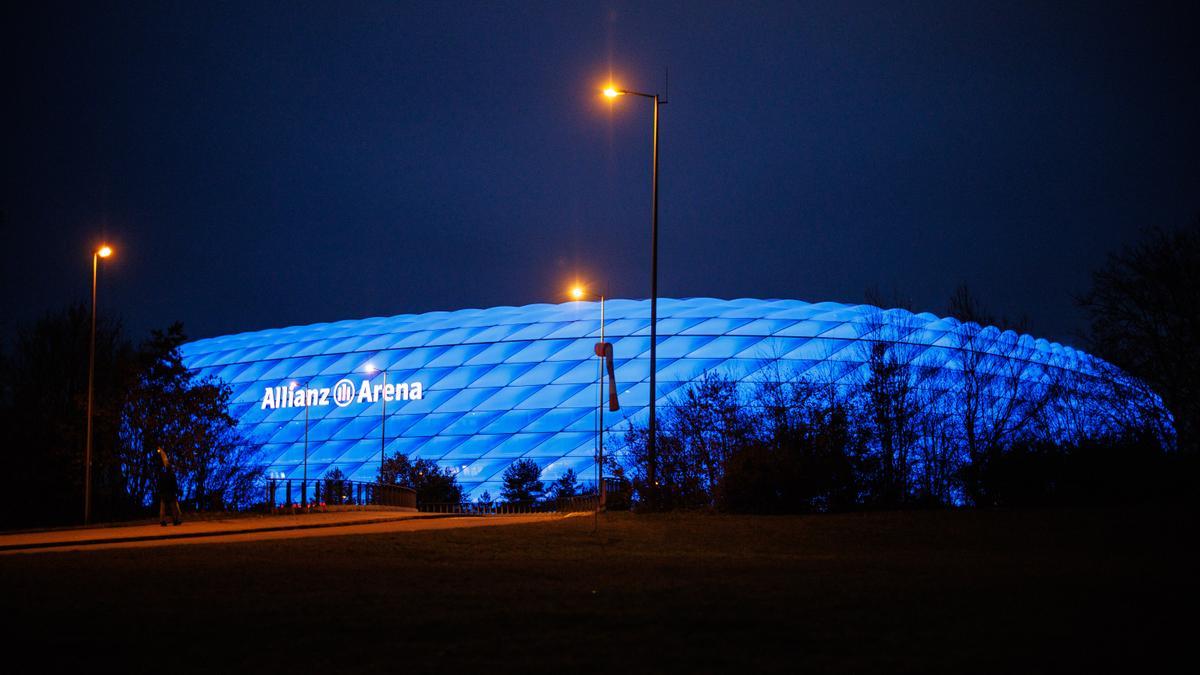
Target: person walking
[{"x": 168, "y": 491}]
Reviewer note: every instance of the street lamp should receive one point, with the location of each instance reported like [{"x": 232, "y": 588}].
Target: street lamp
[
  {"x": 102, "y": 252},
  {"x": 651, "y": 451},
  {"x": 383, "y": 416},
  {"x": 304, "y": 480},
  {"x": 579, "y": 293}
]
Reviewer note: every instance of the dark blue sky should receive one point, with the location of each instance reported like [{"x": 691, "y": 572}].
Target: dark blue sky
[{"x": 266, "y": 164}]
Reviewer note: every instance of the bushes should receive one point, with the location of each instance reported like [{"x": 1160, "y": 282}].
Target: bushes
[
  {"x": 810, "y": 467},
  {"x": 1120, "y": 469}
]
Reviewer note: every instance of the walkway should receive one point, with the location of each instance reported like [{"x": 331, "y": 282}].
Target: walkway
[{"x": 248, "y": 528}]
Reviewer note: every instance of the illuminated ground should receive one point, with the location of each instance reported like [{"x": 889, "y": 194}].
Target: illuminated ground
[
  {"x": 1056, "y": 591},
  {"x": 247, "y": 528}
]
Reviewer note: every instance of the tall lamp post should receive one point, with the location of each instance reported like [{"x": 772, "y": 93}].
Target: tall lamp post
[
  {"x": 651, "y": 449},
  {"x": 102, "y": 252},
  {"x": 578, "y": 293}
]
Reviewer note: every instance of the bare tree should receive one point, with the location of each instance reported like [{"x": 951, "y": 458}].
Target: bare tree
[
  {"x": 892, "y": 402},
  {"x": 698, "y": 431},
  {"x": 937, "y": 457},
  {"x": 709, "y": 422},
  {"x": 995, "y": 399}
]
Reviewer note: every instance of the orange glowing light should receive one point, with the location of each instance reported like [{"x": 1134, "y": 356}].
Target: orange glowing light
[{"x": 104, "y": 252}]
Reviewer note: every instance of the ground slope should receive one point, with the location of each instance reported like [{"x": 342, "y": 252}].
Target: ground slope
[{"x": 958, "y": 591}]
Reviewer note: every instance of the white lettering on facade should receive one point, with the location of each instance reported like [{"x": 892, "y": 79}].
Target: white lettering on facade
[{"x": 344, "y": 393}]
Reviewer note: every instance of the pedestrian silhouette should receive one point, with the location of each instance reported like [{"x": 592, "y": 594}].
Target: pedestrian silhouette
[{"x": 168, "y": 491}]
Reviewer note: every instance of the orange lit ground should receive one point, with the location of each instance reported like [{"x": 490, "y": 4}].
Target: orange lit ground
[{"x": 246, "y": 528}]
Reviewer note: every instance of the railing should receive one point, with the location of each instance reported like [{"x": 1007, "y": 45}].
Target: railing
[
  {"x": 324, "y": 493},
  {"x": 583, "y": 503},
  {"x": 320, "y": 493}
]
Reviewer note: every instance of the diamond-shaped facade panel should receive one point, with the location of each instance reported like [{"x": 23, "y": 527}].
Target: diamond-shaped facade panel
[{"x": 477, "y": 389}]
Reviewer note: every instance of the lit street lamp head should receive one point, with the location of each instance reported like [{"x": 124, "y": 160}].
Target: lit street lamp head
[
  {"x": 104, "y": 251},
  {"x": 612, "y": 93},
  {"x": 577, "y": 292}
]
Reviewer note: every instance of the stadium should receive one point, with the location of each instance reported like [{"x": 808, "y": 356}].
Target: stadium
[{"x": 477, "y": 389}]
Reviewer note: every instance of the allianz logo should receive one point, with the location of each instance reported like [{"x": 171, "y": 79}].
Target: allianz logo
[{"x": 343, "y": 393}]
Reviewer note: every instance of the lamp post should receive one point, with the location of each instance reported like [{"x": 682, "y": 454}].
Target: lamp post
[
  {"x": 578, "y": 293},
  {"x": 382, "y": 417},
  {"x": 651, "y": 450},
  {"x": 304, "y": 479},
  {"x": 102, "y": 252}
]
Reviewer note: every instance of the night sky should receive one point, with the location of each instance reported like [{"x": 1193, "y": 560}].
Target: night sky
[{"x": 262, "y": 164}]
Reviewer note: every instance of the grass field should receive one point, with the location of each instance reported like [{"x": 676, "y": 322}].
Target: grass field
[{"x": 964, "y": 592}]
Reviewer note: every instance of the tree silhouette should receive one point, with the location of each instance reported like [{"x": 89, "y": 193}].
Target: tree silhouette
[
  {"x": 521, "y": 482},
  {"x": 166, "y": 405},
  {"x": 565, "y": 487},
  {"x": 43, "y": 405},
  {"x": 1144, "y": 311}
]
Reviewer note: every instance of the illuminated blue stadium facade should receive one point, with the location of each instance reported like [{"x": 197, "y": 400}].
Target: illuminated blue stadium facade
[{"x": 477, "y": 389}]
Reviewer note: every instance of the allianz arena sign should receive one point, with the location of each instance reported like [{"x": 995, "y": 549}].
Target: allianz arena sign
[{"x": 343, "y": 393}]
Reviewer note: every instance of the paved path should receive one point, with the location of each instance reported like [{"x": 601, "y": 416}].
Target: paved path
[{"x": 251, "y": 528}]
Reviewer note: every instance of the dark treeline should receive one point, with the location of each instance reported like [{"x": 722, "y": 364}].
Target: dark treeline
[
  {"x": 433, "y": 484},
  {"x": 521, "y": 483},
  {"x": 793, "y": 445},
  {"x": 999, "y": 425},
  {"x": 144, "y": 398}
]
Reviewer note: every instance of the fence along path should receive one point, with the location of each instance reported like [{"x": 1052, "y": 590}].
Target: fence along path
[{"x": 327, "y": 492}]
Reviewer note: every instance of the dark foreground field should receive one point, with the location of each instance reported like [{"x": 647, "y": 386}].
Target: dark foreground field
[{"x": 964, "y": 592}]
